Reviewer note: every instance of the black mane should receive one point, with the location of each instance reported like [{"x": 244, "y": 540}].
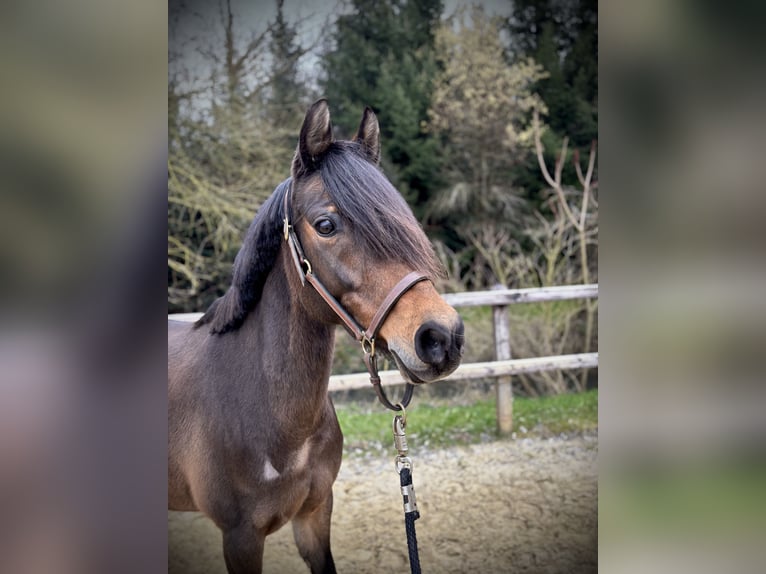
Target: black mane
[{"x": 255, "y": 259}]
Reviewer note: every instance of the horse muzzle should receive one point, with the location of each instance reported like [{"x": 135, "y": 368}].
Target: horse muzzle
[{"x": 438, "y": 349}]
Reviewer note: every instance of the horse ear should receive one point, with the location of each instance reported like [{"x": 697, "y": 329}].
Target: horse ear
[
  {"x": 315, "y": 137},
  {"x": 368, "y": 135}
]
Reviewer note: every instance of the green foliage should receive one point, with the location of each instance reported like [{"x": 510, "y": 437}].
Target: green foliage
[{"x": 438, "y": 425}]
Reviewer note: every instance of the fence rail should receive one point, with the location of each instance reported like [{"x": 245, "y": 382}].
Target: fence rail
[
  {"x": 471, "y": 371},
  {"x": 502, "y": 296},
  {"x": 504, "y": 366}
]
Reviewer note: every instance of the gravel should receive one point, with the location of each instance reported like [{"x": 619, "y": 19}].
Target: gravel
[{"x": 524, "y": 506}]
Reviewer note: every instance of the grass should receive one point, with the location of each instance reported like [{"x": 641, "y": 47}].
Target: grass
[{"x": 438, "y": 426}]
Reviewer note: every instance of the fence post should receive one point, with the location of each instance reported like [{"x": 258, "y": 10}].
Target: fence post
[{"x": 503, "y": 390}]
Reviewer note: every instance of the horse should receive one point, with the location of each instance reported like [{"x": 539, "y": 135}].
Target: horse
[{"x": 253, "y": 439}]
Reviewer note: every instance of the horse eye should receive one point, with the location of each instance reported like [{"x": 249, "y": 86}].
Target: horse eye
[{"x": 324, "y": 226}]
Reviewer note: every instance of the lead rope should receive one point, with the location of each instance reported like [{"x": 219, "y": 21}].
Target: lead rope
[{"x": 404, "y": 468}]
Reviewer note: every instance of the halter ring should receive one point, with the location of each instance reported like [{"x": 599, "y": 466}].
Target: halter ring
[{"x": 368, "y": 345}]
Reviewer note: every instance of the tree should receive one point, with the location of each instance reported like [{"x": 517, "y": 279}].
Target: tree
[
  {"x": 562, "y": 35},
  {"x": 287, "y": 95},
  {"x": 580, "y": 70},
  {"x": 479, "y": 111}
]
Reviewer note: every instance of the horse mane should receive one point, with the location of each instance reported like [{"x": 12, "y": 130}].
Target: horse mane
[{"x": 252, "y": 265}]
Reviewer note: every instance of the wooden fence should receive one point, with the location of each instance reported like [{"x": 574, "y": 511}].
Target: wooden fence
[{"x": 503, "y": 367}]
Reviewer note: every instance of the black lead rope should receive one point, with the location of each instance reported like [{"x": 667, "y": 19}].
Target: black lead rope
[
  {"x": 409, "y": 520},
  {"x": 404, "y": 468}
]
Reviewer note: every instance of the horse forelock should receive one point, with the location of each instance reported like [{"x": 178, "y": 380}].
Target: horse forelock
[{"x": 379, "y": 215}]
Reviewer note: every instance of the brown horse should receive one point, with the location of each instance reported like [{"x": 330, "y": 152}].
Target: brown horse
[{"x": 253, "y": 437}]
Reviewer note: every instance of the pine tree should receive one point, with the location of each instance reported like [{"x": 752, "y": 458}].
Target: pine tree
[
  {"x": 562, "y": 35},
  {"x": 580, "y": 70},
  {"x": 286, "y": 101}
]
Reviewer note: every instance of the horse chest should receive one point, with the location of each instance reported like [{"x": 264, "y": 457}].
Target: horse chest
[
  {"x": 299, "y": 485},
  {"x": 293, "y": 469}
]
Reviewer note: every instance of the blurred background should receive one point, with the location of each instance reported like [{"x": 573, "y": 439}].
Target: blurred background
[{"x": 681, "y": 425}]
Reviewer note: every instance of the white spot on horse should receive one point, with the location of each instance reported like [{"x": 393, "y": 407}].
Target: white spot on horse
[
  {"x": 302, "y": 456},
  {"x": 269, "y": 472}
]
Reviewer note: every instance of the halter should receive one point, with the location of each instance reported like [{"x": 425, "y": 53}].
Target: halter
[{"x": 366, "y": 337}]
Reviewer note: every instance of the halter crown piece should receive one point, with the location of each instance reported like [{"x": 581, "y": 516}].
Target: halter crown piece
[{"x": 366, "y": 337}]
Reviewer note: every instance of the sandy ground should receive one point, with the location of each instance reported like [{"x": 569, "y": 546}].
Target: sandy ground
[{"x": 521, "y": 506}]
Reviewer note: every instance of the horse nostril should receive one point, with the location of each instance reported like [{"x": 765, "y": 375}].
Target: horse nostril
[{"x": 432, "y": 342}]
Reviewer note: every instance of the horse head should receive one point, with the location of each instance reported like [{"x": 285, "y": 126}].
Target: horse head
[{"x": 361, "y": 239}]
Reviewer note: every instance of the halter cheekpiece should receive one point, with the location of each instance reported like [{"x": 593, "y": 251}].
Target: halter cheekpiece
[{"x": 366, "y": 337}]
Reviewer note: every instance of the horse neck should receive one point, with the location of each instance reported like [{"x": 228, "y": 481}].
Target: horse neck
[{"x": 290, "y": 352}]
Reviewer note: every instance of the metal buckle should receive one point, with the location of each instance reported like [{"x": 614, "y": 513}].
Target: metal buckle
[
  {"x": 400, "y": 437},
  {"x": 402, "y": 462},
  {"x": 286, "y": 229},
  {"x": 368, "y": 345}
]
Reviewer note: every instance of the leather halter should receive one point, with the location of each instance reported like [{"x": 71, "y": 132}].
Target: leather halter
[{"x": 364, "y": 336}]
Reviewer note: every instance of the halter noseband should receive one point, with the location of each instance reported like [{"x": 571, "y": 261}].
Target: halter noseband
[{"x": 364, "y": 336}]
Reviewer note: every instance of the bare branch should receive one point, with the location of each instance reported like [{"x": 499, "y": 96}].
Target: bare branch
[
  {"x": 254, "y": 44},
  {"x": 560, "y": 161},
  {"x": 578, "y": 169},
  {"x": 539, "y": 149},
  {"x": 591, "y": 163},
  {"x": 554, "y": 183},
  {"x": 586, "y": 185}
]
